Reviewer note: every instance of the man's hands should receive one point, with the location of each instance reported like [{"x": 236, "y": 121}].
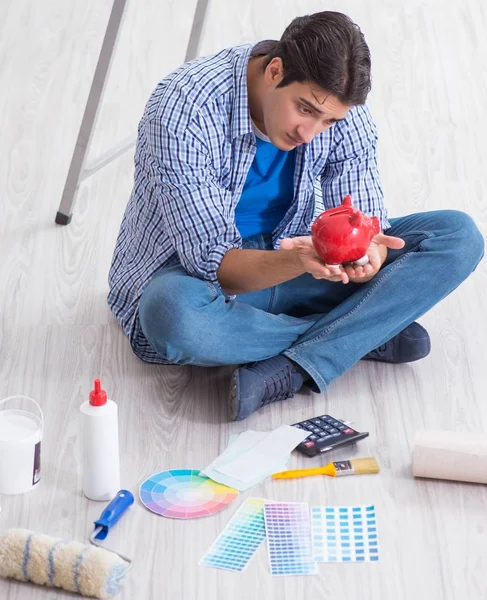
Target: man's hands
[
  {"x": 312, "y": 263},
  {"x": 243, "y": 271}
]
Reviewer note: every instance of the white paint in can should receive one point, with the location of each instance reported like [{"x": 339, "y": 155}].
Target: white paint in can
[{"x": 20, "y": 447}]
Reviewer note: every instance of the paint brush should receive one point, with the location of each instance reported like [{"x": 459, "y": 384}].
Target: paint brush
[{"x": 359, "y": 466}]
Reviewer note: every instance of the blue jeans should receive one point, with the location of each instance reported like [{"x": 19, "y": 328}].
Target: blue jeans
[{"x": 323, "y": 326}]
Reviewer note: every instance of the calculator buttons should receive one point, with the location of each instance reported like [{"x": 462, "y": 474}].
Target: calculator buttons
[{"x": 325, "y": 433}]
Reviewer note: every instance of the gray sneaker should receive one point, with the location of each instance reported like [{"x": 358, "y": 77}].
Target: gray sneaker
[{"x": 257, "y": 384}]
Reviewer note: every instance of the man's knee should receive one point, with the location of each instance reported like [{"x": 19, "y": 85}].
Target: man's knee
[
  {"x": 469, "y": 242},
  {"x": 170, "y": 313}
]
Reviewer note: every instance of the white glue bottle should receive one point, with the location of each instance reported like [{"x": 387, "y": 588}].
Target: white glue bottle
[{"x": 101, "y": 461}]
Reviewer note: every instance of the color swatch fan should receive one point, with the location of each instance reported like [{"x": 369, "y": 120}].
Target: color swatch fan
[{"x": 184, "y": 494}]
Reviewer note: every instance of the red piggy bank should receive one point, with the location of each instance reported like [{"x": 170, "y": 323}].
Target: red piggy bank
[{"x": 343, "y": 234}]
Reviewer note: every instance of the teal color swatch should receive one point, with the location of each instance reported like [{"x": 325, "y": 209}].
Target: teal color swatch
[
  {"x": 344, "y": 534},
  {"x": 237, "y": 543}
]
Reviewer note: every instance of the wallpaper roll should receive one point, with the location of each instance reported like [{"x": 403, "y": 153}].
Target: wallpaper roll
[{"x": 459, "y": 456}]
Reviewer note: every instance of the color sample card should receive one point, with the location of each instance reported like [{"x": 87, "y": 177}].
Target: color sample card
[
  {"x": 238, "y": 542},
  {"x": 184, "y": 494},
  {"x": 288, "y": 531},
  {"x": 344, "y": 534}
]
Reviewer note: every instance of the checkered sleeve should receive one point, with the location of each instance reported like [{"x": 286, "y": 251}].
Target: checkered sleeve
[
  {"x": 351, "y": 167},
  {"x": 195, "y": 208}
]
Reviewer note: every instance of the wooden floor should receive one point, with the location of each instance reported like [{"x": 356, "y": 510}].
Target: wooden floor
[{"x": 56, "y": 332}]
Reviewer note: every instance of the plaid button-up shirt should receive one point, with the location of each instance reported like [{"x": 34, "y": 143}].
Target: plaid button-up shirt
[{"x": 194, "y": 149}]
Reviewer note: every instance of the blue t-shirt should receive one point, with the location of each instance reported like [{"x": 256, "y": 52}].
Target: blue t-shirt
[{"x": 268, "y": 190}]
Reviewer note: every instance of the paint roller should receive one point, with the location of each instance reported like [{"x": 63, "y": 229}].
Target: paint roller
[{"x": 89, "y": 570}]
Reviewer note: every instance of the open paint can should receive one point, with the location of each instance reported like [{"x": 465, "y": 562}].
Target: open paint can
[{"x": 20, "y": 445}]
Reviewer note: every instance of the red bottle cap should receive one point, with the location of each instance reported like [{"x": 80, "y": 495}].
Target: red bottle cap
[{"x": 98, "y": 397}]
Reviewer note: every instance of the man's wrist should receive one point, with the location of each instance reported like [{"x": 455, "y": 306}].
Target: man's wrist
[
  {"x": 247, "y": 270},
  {"x": 296, "y": 261}
]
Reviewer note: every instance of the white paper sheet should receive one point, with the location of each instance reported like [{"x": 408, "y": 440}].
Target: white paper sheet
[{"x": 254, "y": 456}]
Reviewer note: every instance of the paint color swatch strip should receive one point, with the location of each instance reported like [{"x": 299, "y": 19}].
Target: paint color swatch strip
[
  {"x": 288, "y": 531},
  {"x": 344, "y": 534},
  {"x": 238, "y": 542}
]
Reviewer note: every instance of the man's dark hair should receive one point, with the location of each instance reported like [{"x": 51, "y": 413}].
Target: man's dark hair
[{"x": 329, "y": 50}]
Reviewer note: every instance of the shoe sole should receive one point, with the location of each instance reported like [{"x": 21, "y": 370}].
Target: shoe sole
[{"x": 234, "y": 394}]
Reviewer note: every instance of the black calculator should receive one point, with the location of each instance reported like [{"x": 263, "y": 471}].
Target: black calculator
[{"x": 327, "y": 434}]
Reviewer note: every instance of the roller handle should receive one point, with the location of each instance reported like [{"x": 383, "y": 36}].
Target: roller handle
[{"x": 112, "y": 513}]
